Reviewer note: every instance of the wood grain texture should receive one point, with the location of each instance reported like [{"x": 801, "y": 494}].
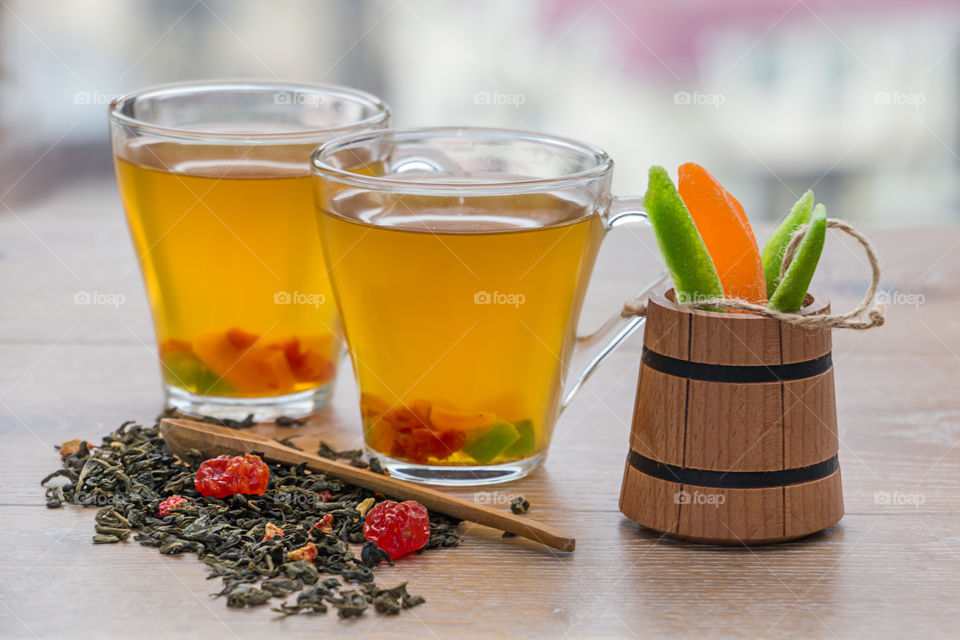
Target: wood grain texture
[
  {"x": 809, "y": 420},
  {"x": 734, "y": 427},
  {"x": 798, "y": 343},
  {"x": 665, "y": 331},
  {"x": 809, "y": 505},
  {"x": 734, "y": 339},
  {"x": 732, "y": 516},
  {"x": 889, "y": 569},
  {"x": 659, "y": 415}
]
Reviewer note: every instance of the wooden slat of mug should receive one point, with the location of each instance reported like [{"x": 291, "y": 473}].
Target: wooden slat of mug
[
  {"x": 734, "y": 427},
  {"x": 667, "y": 330},
  {"x": 809, "y": 420},
  {"x": 812, "y": 506},
  {"x": 650, "y": 501},
  {"x": 798, "y": 343},
  {"x": 732, "y": 516},
  {"x": 659, "y": 416},
  {"x": 734, "y": 339}
]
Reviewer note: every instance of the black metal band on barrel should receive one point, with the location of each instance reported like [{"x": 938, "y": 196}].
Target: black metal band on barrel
[
  {"x": 737, "y": 374},
  {"x": 732, "y": 479}
]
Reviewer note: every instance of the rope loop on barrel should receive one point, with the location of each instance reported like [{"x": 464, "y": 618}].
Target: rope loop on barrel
[{"x": 866, "y": 315}]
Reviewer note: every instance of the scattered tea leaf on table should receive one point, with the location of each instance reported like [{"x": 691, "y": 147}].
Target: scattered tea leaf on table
[{"x": 133, "y": 472}]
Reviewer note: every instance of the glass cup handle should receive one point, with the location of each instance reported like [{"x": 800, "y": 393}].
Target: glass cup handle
[{"x": 617, "y": 328}]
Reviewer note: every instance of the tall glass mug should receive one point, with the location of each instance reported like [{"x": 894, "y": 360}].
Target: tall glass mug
[
  {"x": 459, "y": 260},
  {"x": 215, "y": 179}
]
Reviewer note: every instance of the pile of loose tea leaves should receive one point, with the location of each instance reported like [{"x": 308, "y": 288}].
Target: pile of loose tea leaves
[{"x": 276, "y": 545}]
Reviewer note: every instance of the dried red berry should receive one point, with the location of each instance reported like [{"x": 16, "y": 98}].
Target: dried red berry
[
  {"x": 398, "y": 528},
  {"x": 173, "y": 502},
  {"x": 229, "y": 475},
  {"x": 307, "y": 552}
]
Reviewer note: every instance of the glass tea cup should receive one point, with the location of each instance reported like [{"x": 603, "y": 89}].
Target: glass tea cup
[
  {"x": 459, "y": 260},
  {"x": 215, "y": 180}
]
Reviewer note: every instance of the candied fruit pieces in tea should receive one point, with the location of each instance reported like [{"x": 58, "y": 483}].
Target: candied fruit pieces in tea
[
  {"x": 252, "y": 368},
  {"x": 231, "y": 475},
  {"x": 173, "y": 502},
  {"x": 310, "y": 358},
  {"x": 425, "y": 431},
  {"x": 491, "y": 442},
  {"x": 372, "y": 406},
  {"x": 241, "y": 339},
  {"x": 446, "y": 419},
  {"x": 184, "y": 369},
  {"x": 397, "y": 528},
  {"x": 238, "y": 361},
  {"x": 526, "y": 444},
  {"x": 421, "y": 444}
]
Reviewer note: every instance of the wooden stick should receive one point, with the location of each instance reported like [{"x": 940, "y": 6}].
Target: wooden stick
[{"x": 211, "y": 440}]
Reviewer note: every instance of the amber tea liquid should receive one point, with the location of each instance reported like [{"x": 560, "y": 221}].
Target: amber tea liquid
[
  {"x": 241, "y": 303},
  {"x": 460, "y": 316}
]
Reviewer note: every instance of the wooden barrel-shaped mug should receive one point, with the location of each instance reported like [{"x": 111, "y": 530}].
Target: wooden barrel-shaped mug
[{"x": 734, "y": 436}]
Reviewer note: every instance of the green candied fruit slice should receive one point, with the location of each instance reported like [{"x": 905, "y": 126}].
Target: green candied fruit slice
[
  {"x": 526, "y": 444},
  {"x": 492, "y": 442},
  {"x": 186, "y": 370},
  {"x": 688, "y": 261},
  {"x": 773, "y": 250},
  {"x": 793, "y": 288}
]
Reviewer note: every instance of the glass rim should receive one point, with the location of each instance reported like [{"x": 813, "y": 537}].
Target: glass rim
[
  {"x": 603, "y": 162},
  {"x": 381, "y": 115}
]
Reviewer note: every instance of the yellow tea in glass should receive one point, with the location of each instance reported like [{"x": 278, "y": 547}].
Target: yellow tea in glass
[
  {"x": 216, "y": 184},
  {"x": 459, "y": 260}
]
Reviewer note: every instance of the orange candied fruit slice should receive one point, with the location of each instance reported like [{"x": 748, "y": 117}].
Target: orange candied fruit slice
[
  {"x": 251, "y": 367},
  {"x": 310, "y": 358},
  {"x": 726, "y": 232}
]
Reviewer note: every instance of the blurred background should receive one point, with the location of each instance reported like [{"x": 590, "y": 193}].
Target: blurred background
[{"x": 860, "y": 98}]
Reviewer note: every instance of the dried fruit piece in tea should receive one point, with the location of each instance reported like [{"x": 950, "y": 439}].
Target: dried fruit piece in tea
[{"x": 492, "y": 441}]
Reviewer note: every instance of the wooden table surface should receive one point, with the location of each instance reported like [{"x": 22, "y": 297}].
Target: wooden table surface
[{"x": 891, "y": 567}]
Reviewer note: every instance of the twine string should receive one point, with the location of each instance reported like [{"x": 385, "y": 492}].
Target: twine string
[{"x": 869, "y": 313}]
